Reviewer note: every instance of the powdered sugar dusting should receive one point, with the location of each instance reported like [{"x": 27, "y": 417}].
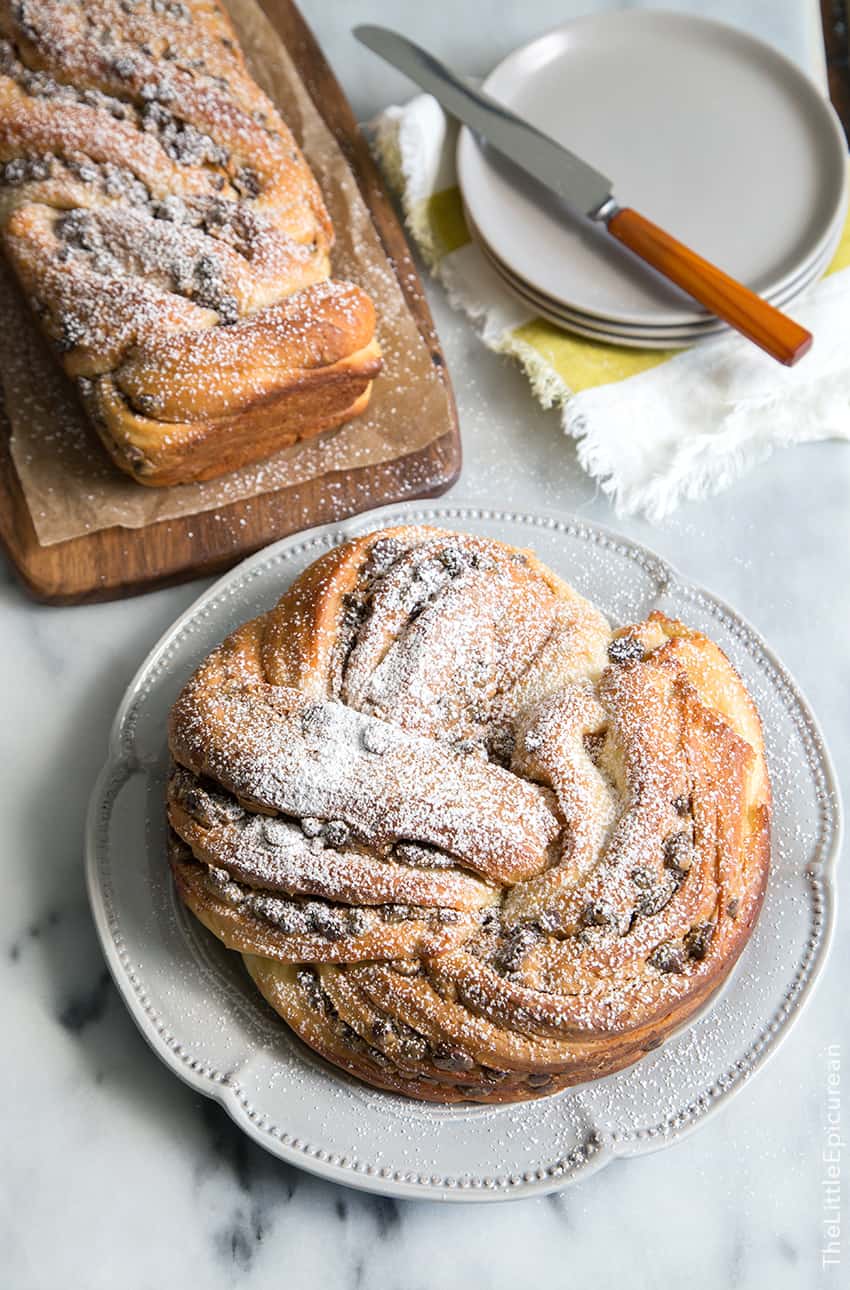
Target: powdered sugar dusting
[
  {"x": 610, "y": 789},
  {"x": 76, "y": 494}
]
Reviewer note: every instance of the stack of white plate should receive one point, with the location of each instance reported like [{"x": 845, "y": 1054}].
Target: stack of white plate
[{"x": 702, "y": 128}]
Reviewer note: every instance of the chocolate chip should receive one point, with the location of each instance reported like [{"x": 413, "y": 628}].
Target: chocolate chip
[
  {"x": 451, "y": 1059},
  {"x": 207, "y": 274},
  {"x": 218, "y": 214},
  {"x": 160, "y": 92},
  {"x": 682, "y": 804},
  {"x": 594, "y": 742},
  {"x": 382, "y": 555},
  {"x": 412, "y": 1047},
  {"x": 455, "y": 559},
  {"x": 226, "y": 809},
  {"x": 422, "y": 856},
  {"x": 594, "y": 915},
  {"x": 181, "y": 275},
  {"x": 473, "y": 1090},
  {"x": 732, "y": 907},
  {"x": 539, "y": 1081},
  {"x": 358, "y": 921},
  {"x": 641, "y": 878},
  {"x": 227, "y": 308},
  {"x": 336, "y": 833},
  {"x": 285, "y": 914},
  {"x": 698, "y": 940},
  {"x": 23, "y": 19},
  {"x": 15, "y": 172},
  {"x": 77, "y": 228},
  {"x": 206, "y": 807},
  {"x": 678, "y": 851},
  {"x": 668, "y": 957},
  {"x": 511, "y": 954},
  {"x": 314, "y": 718},
  {"x": 247, "y": 182},
  {"x": 73, "y": 334},
  {"x": 171, "y": 208},
  {"x": 326, "y": 921},
  {"x": 626, "y": 649},
  {"x": 381, "y": 1027},
  {"x": 655, "y": 899},
  {"x": 124, "y": 67},
  {"x": 549, "y": 920},
  {"x": 349, "y": 1035},
  {"x": 500, "y": 746},
  {"x": 353, "y": 612}
]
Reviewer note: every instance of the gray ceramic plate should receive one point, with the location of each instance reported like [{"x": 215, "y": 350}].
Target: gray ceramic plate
[
  {"x": 645, "y": 337},
  {"x": 196, "y": 1007},
  {"x": 708, "y": 131}
]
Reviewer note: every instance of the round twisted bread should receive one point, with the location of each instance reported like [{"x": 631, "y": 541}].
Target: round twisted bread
[
  {"x": 472, "y": 845},
  {"x": 171, "y": 237}
]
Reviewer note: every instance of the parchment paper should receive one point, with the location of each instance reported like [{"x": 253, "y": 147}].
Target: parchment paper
[{"x": 70, "y": 484}]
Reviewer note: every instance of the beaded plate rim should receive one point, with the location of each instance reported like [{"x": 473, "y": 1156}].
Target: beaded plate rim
[{"x": 598, "y": 1149}]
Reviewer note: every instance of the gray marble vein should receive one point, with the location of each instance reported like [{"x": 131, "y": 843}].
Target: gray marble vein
[{"x": 116, "y": 1174}]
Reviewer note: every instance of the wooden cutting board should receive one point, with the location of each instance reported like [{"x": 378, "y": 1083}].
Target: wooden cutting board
[{"x": 121, "y": 561}]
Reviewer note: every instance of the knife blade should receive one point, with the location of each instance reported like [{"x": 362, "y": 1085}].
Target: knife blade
[
  {"x": 586, "y": 191},
  {"x": 583, "y": 189}
]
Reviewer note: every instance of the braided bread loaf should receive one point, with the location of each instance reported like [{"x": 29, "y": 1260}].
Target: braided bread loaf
[
  {"x": 171, "y": 238},
  {"x": 472, "y": 845}
]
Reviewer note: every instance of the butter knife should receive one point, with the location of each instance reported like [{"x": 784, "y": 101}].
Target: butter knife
[{"x": 589, "y": 193}]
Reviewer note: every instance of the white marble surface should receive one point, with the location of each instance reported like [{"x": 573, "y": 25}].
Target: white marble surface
[{"x": 115, "y": 1174}]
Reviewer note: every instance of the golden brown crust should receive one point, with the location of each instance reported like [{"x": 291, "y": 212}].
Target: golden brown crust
[
  {"x": 474, "y": 845},
  {"x": 171, "y": 237}
]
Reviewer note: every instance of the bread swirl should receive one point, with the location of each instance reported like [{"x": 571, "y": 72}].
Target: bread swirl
[
  {"x": 171, "y": 238},
  {"x": 473, "y": 845}
]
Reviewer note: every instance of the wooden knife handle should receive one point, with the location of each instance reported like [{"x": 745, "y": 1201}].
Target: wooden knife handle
[{"x": 741, "y": 308}]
